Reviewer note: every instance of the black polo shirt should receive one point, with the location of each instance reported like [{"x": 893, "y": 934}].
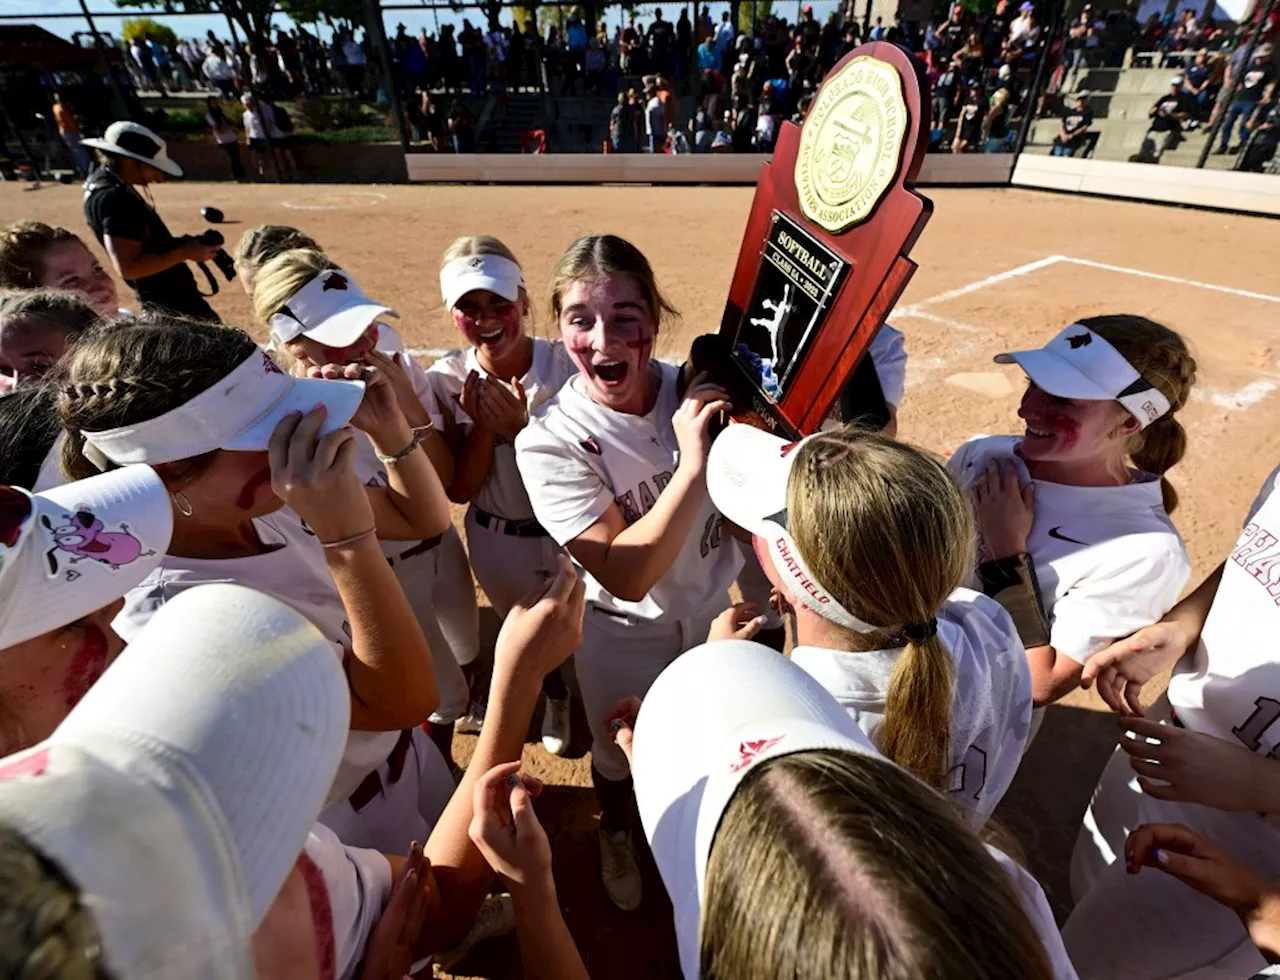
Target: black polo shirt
[{"x": 112, "y": 207}]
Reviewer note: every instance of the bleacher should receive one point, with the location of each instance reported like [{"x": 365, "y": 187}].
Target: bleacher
[{"x": 1120, "y": 100}]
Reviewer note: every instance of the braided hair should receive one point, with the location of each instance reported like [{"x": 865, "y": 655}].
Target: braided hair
[
  {"x": 46, "y": 933},
  {"x": 886, "y": 530},
  {"x": 129, "y": 371},
  {"x": 1161, "y": 356}
]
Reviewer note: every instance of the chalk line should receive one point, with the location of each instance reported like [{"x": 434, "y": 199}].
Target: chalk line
[
  {"x": 1160, "y": 277},
  {"x": 999, "y": 277}
]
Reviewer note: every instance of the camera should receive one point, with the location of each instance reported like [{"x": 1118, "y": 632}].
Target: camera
[{"x": 225, "y": 263}]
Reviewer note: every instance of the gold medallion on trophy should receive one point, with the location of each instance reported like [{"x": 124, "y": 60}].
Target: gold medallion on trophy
[{"x": 850, "y": 144}]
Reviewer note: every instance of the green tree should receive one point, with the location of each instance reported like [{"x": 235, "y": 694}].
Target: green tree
[
  {"x": 144, "y": 28},
  {"x": 326, "y": 11},
  {"x": 253, "y": 17},
  {"x": 753, "y": 12}
]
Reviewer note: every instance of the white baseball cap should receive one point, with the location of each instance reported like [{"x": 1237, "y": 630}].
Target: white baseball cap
[
  {"x": 240, "y": 412},
  {"x": 129, "y": 139},
  {"x": 492, "y": 272},
  {"x": 331, "y": 309},
  {"x": 74, "y": 549},
  {"x": 1079, "y": 363},
  {"x": 713, "y": 715},
  {"x": 747, "y": 475},
  {"x": 178, "y": 793}
]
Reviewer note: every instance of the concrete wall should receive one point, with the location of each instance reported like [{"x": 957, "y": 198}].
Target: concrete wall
[
  {"x": 336, "y": 163},
  {"x": 639, "y": 168},
  {"x": 1256, "y": 193}
]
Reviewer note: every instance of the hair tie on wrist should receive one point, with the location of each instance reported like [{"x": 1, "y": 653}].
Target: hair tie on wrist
[
  {"x": 346, "y": 542},
  {"x": 919, "y": 632}
]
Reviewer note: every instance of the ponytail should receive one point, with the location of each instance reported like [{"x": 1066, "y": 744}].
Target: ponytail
[
  {"x": 916, "y": 732},
  {"x": 886, "y": 530},
  {"x": 1157, "y": 449}
]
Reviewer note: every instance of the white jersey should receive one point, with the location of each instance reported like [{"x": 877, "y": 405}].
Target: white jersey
[
  {"x": 578, "y": 459},
  {"x": 1108, "y": 559},
  {"x": 1037, "y": 908},
  {"x": 503, "y": 493},
  {"x": 347, "y": 900},
  {"x": 1231, "y": 687},
  {"x": 990, "y": 705},
  {"x": 293, "y": 571}
]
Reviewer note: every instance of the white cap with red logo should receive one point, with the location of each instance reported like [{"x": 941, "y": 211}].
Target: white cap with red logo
[{"x": 716, "y": 713}]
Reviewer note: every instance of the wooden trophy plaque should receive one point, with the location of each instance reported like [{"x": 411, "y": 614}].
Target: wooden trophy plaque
[{"x": 824, "y": 254}]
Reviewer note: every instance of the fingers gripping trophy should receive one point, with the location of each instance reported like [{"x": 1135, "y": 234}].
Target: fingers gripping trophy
[{"x": 824, "y": 256}]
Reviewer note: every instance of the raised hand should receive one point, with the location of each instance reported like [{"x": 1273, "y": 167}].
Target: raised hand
[
  {"x": 1124, "y": 667},
  {"x": 1005, "y": 510},
  {"x": 314, "y": 476},
  {"x": 506, "y": 830}
]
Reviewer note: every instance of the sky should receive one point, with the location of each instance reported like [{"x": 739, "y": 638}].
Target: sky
[{"x": 196, "y": 26}]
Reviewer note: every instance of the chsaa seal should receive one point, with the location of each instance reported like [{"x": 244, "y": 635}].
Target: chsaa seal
[{"x": 850, "y": 144}]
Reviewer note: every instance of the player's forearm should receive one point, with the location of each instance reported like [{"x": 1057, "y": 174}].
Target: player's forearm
[
  {"x": 415, "y": 502},
  {"x": 393, "y": 684},
  {"x": 1053, "y": 675},
  {"x": 1189, "y": 614},
  {"x": 639, "y": 555},
  {"x": 473, "y": 465},
  {"x": 460, "y": 869},
  {"x": 547, "y": 950}
]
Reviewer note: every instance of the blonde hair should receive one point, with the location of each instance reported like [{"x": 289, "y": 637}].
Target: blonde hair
[
  {"x": 46, "y": 933},
  {"x": 468, "y": 245},
  {"x": 835, "y": 864},
  {"x": 887, "y": 531},
  {"x": 260, "y": 245},
  {"x": 128, "y": 371},
  {"x": 280, "y": 279},
  {"x": 598, "y": 256},
  {"x": 1161, "y": 356}
]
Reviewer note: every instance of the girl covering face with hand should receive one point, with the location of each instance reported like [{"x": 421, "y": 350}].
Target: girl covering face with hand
[
  {"x": 1074, "y": 513},
  {"x": 235, "y": 440},
  {"x": 321, "y": 317},
  {"x": 488, "y": 392},
  {"x": 615, "y": 467}
]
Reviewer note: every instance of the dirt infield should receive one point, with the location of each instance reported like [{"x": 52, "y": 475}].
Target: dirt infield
[{"x": 999, "y": 269}]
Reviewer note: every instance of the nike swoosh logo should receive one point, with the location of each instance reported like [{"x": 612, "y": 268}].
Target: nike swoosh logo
[{"x": 1054, "y": 532}]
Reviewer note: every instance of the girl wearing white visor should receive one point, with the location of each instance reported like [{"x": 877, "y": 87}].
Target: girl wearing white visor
[
  {"x": 615, "y": 466},
  {"x": 788, "y": 845},
  {"x": 489, "y": 391},
  {"x": 236, "y": 439},
  {"x": 867, "y": 542},
  {"x": 321, "y": 317},
  {"x": 1205, "y": 760},
  {"x": 1074, "y": 514}
]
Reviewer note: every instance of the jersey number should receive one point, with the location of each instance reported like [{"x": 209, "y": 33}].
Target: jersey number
[
  {"x": 968, "y": 776},
  {"x": 711, "y": 535},
  {"x": 1265, "y": 714}
]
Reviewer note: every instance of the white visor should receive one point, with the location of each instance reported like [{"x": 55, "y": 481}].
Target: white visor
[
  {"x": 179, "y": 792},
  {"x": 712, "y": 716},
  {"x": 491, "y": 272},
  {"x": 331, "y": 309},
  {"x": 77, "y": 548},
  {"x": 1079, "y": 363},
  {"x": 240, "y": 412},
  {"x": 747, "y": 475}
]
